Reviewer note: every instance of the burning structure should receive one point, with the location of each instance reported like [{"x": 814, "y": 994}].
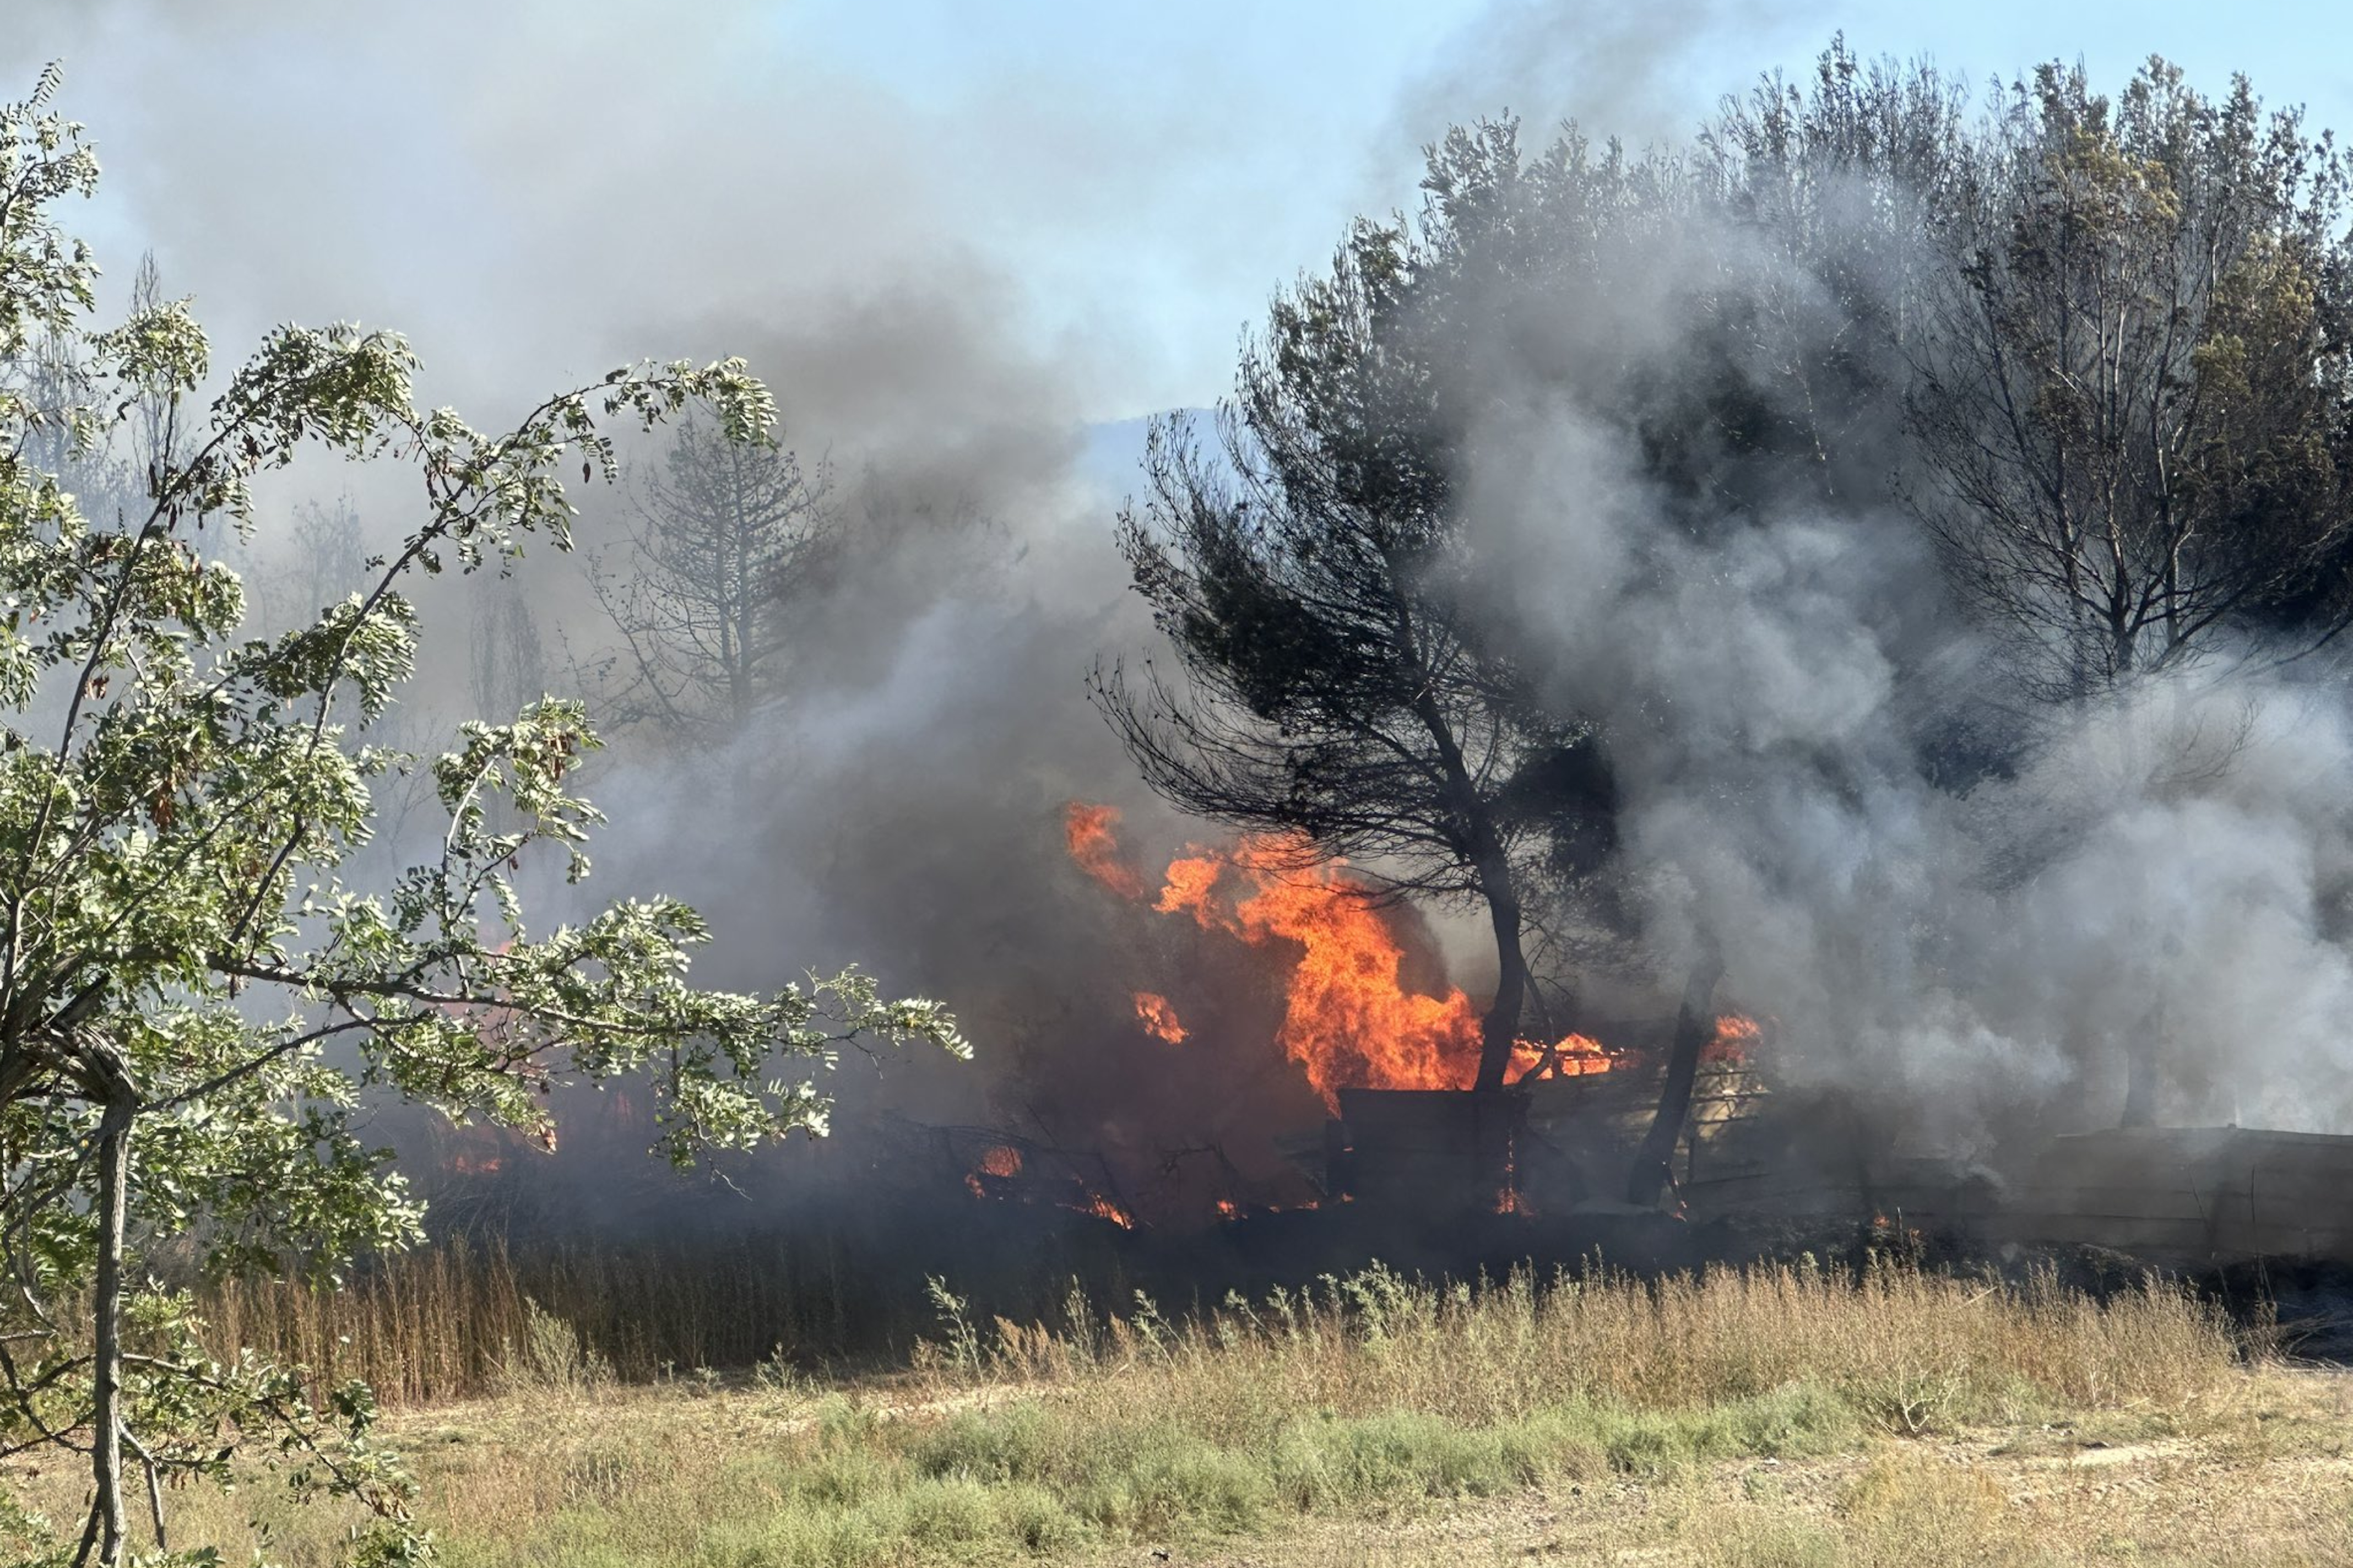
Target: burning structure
[
  {"x": 1613, "y": 554},
  {"x": 1405, "y": 1133},
  {"x": 1395, "y": 1067}
]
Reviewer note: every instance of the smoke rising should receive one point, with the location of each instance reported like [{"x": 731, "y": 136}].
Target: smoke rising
[
  {"x": 549, "y": 199},
  {"x": 1791, "y": 701},
  {"x": 1781, "y": 678}
]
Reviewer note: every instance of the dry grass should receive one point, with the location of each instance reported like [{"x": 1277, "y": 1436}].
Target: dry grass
[
  {"x": 1779, "y": 1415},
  {"x": 1904, "y": 1350},
  {"x": 459, "y": 1323},
  {"x": 2203, "y": 1499}
]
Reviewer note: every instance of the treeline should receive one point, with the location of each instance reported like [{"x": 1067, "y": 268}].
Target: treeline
[{"x": 2066, "y": 374}]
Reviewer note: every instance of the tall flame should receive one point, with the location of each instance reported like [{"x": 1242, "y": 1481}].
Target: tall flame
[
  {"x": 1088, "y": 831},
  {"x": 1349, "y": 1021}
]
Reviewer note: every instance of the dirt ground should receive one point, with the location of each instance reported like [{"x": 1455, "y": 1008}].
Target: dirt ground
[{"x": 2273, "y": 1488}]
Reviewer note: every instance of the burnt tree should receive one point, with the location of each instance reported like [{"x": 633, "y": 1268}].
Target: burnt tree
[
  {"x": 1305, "y": 571},
  {"x": 731, "y": 542}
]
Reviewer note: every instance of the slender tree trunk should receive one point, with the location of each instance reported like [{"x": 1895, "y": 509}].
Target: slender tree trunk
[
  {"x": 1694, "y": 1027},
  {"x": 2141, "y": 1083},
  {"x": 2141, "y": 1042},
  {"x": 1500, "y": 1028},
  {"x": 2140, "y": 1071},
  {"x": 106, "y": 1441}
]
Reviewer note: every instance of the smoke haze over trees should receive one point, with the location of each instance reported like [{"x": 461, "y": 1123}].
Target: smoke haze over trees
[
  {"x": 729, "y": 546},
  {"x": 1680, "y": 409},
  {"x": 1874, "y": 556},
  {"x": 1786, "y": 462}
]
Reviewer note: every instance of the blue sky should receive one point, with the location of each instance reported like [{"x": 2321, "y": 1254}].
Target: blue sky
[
  {"x": 1329, "y": 102},
  {"x": 1115, "y": 185}
]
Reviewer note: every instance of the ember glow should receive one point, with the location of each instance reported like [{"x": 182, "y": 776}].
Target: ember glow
[
  {"x": 1088, "y": 831},
  {"x": 1000, "y": 1162},
  {"x": 481, "y": 1149},
  {"x": 1158, "y": 1018},
  {"x": 1102, "y": 1207}
]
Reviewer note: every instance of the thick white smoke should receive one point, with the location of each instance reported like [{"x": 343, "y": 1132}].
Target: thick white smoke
[{"x": 2170, "y": 864}]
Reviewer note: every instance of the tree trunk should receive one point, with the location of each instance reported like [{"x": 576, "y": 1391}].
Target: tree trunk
[
  {"x": 1694, "y": 1027},
  {"x": 106, "y": 1417},
  {"x": 2140, "y": 1086},
  {"x": 1500, "y": 1028},
  {"x": 2141, "y": 1042},
  {"x": 2140, "y": 1076}
]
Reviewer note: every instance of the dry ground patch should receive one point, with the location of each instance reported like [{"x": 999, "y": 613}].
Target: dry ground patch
[{"x": 2274, "y": 1489}]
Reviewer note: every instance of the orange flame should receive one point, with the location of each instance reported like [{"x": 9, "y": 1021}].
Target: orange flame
[
  {"x": 999, "y": 1160},
  {"x": 1158, "y": 1018},
  {"x": 1348, "y": 1019},
  {"x": 1088, "y": 831},
  {"x": 1571, "y": 1056},
  {"x": 1189, "y": 882},
  {"x": 1735, "y": 1036},
  {"x": 1102, "y": 1207}
]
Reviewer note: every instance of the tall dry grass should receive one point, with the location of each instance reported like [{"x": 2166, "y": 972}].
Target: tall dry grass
[
  {"x": 457, "y": 1322},
  {"x": 1908, "y": 1349},
  {"x": 1366, "y": 1397}
]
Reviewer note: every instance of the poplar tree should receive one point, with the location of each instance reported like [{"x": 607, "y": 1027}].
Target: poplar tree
[{"x": 193, "y": 999}]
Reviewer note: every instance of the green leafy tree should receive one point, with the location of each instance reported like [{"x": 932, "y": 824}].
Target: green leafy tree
[
  {"x": 2133, "y": 405},
  {"x": 192, "y": 1000},
  {"x": 2134, "y": 414}
]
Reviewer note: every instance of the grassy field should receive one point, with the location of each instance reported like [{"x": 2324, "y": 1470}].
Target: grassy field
[{"x": 1784, "y": 1416}]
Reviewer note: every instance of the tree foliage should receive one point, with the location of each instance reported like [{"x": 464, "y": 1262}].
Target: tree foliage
[
  {"x": 1330, "y": 686},
  {"x": 1328, "y": 596},
  {"x": 2080, "y": 365},
  {"x": 192, "y": 1000},
  {"x": 2135, "y": 408}
]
